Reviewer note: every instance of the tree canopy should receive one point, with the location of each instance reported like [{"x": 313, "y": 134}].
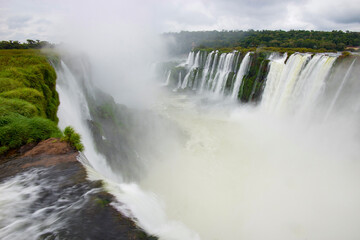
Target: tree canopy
[
  {"x": 332, "y": 41},
  {"x": 29, "y": 44}
]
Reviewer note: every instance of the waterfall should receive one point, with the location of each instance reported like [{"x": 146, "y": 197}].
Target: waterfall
[
  {"x": 213, "y": 70},
  {"x": 167, "y": 78},
  {"x": 178, "y": 84},
  {"x": 74, "y": 111},
  {"x": 241, "y": 73},
  {"x": 343, "y": 82},
  {"x": 297, "y": 84},
  {"x": 192, "y": 65},
  {"x": 311, "y": 83},
  {"x": 206, "y": 71},
  {"x": 251, "y": 164},
  {"x": 225, "y": 67},
  {"x": 145, "y": 207},
  {"x": 282, "y": 79}
]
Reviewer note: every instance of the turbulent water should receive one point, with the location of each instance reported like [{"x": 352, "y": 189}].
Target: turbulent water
[
  {"x": 269, "y": 171},
  {"x": 287, "y": 168}
]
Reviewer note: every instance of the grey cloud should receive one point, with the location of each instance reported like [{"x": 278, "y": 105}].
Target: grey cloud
[{"x": 17, "y": 22}]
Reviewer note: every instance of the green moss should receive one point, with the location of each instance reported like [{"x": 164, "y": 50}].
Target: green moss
[{"x": 102, "y": 202}]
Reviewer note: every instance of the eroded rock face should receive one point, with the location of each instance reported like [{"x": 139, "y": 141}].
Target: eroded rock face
[{"x": 62, "y": 203}]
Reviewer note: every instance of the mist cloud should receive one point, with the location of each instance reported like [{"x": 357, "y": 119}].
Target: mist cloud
[{"x": 177, "y": 15}]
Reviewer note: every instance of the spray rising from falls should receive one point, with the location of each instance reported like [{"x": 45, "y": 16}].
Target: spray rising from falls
[
  {"x": 255, "y": 173},
  {"x": 76, "y": 92},
  {"x": 234, "y": 172}
]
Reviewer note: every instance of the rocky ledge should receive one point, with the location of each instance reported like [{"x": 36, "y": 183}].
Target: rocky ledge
[{"x": 89, "y": 214}]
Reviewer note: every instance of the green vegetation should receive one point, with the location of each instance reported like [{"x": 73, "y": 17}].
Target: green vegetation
[
  {"x": 17, "y": 130},
  {"x": 28, "y": 98},
  {"x": 251, "y": 87},
  {"x": 30, "y": 44},
  {"x": 73, "y": 138},
  {"x": 317, "y": 40}
]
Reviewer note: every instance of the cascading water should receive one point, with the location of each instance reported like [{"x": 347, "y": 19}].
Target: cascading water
[
  {"x": 147, "y": 208},
  {"x": 296, "y": 84},
  {"x": 242, "y": 71},
  {"x": 251, "y": 174},
  {"x": 166, "y": 83},
  {"x": 74, "y": 111},
  {"x": 343, "y": 82},
  {"x": 207, "y": 71},
  {"x": 284, "y": 80},
  {"x": 235, "y": 172},
  {"x": 225, "y": 67},
  {"x": 192, "y": 65}
]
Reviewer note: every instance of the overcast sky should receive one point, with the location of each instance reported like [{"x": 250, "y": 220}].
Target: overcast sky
[{"x": 50, "y": 19}]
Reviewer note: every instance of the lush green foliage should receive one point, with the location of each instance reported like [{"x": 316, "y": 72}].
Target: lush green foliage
[
  {"x": 17, "y": 130},
  {"x": 28, "y": 98},
  {"x": 319, "y": 40},
  {"x": 29, "y": 95},
  {"x": 18, "y": 106},
  {"x": 29, "y": 44},
  {"x": 73, "y": 138},
  {"x": 29, "y": 69}
]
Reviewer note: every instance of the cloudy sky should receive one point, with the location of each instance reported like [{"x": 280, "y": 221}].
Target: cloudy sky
[{"x": 50, "y": 19}]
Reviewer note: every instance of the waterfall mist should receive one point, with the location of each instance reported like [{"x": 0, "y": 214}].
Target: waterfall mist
[
  {"x": 186, "y": 167},
  {"x": 120, "y": 45},
  {"x": 286, "y": 169}
]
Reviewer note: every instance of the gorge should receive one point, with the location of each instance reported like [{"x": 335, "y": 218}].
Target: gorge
[{"x": 234, "y": 145}]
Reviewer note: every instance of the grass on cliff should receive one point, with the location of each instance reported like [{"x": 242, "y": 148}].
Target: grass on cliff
[
  {"x": 73, "y": 138},
  {"x": 28, "y": 98}
]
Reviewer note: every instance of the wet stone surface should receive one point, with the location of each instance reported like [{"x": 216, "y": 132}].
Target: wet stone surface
[{"x": 56, "y": 199}]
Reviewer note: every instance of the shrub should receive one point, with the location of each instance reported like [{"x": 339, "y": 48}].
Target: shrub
[{"x": 73, "y": 138}]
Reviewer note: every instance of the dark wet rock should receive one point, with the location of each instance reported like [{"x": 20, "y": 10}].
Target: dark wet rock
[{"x": 82, "y": 207}]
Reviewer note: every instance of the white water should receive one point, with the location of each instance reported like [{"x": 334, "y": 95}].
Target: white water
[
  {"x": 241, "y": 173},
  {"x": 192, "y": 64},
  {"x": 178, "y": 84},
  {"x": 225, "y": 67},
  {"x": 27, "y": 213},
  {"x": 206, "y": 71},
  {"x": 343, "y": 82},
  {"x": 167, "y": 81},
  {"x": 241, "y": 73},
  {"x": 74, "y": 111}
]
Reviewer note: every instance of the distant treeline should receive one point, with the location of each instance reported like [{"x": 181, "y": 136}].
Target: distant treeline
[
  {"x": 29, "y": 44},
  {"x": 333, "y": 41}
]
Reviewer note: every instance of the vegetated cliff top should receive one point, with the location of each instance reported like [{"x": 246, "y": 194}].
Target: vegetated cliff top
[
  {"x": 28, "y": 98},
  {"x": 330, "y": 41}
]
